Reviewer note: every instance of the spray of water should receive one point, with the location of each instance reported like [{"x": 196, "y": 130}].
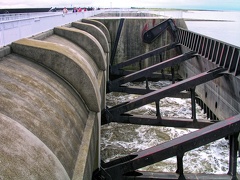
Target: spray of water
[{"x": 119, "y": 140}]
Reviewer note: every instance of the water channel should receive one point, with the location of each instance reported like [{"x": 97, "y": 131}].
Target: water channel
[{"x": 119, "y": 140}]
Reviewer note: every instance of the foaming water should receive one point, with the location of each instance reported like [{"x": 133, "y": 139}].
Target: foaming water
[{"x": 119, "y": 140}]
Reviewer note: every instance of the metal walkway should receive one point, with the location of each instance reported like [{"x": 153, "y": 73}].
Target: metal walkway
[{"x": 226, "y": 59}]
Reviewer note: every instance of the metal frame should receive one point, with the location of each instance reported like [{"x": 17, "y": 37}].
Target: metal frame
[
  {"x": 115, "y": 113},
  {"x": 220, "y": 53},
  {"x": 227, "y": 60},
  {"x": 124, "y": 168}
]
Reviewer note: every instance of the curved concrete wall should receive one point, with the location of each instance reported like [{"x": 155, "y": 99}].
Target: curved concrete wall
[
  {"x": 130, "y": 42},
  {"x": 52, "y": 92}
]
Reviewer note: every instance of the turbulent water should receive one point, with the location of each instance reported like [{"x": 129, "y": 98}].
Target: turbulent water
[
  {"x": 122, "y": 139},
  {"x": 119, "y": 140}
]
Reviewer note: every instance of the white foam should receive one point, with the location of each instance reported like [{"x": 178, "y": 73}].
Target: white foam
[{"x": 120, "y": 139}]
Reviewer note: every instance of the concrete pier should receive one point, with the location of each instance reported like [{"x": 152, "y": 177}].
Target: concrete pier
[{"x": 53, "y": 89}]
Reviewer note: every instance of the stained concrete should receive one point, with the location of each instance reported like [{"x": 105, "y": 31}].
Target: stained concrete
[
  {"x": 65, "y": 62},
  {"x": 53, "y": 89},
  {"x": 87, "y": 42},
  {"x": 96, "y": 32},
  {"x": 25, "y": 156}
]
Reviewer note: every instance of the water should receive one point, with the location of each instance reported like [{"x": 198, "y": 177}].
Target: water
[
  {"x": 223, "y": 26},
  {"x": 119, "y": 140}
]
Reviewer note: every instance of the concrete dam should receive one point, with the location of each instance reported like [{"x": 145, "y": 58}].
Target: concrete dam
[{"x": 54, "y": 85}]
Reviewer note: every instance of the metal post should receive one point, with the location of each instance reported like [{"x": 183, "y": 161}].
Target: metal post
[
  {"x": 180, "y": 166},
  {"x": 113, "y": 53},
  {"x": 193, "y": 101},
  {"x": 173, "y": 75},
  {"x": 147, "y": 84},
  {"x": 233, "y": 143},
  {"x": 140, "y": 65},
  {"x": 162, "y": 70},
  {"x": 158, "y": 114}
]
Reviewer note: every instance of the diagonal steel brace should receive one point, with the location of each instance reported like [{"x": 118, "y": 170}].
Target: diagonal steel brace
[
  {"x": 114, "y": 69},
  {"x": 114, "y": 85},
  {"x": 172, "y": 89},
  {"x": 122, "y": 167},
  {"x": 152, "y": 34}
]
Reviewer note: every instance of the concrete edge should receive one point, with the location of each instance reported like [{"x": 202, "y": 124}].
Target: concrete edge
[
  {"x": 43, "y": 35},
  {"x": 95, "y": 31},
  {"x": 99, "y": 25},
  {"x": 81, "y": 170},
  {"x": 5, "y": 51},
  {"x": 87, "y": 42},
  {"x": 65, "y": 62}
]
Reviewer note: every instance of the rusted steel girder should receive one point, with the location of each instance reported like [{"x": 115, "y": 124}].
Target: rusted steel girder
[
  {"x": 113, "y": 114},
  {"x": 150, "y": 35},
  {"x": 141, "y": 91},
  {"x": 174, "y": 176},
  {"x": 166, "y": 121},
  {"x": 146, "y": 72},
  {"x": 125, "y": 168},
  {"x": 116, "y": 69}
]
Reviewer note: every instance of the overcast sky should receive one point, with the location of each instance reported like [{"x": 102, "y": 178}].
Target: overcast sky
[{"x": 185, "y": 4}]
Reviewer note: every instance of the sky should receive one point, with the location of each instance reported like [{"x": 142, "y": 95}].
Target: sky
[{"x": 182, "y": 4}]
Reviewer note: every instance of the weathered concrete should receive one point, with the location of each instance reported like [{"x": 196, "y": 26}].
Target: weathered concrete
[
  {"x": 105, "y": 31},
  {"x": 95, "y": 31},
  {"x": 88, "y": 156},
  {"x": 23, "y": 155},
  {"x": 45, "y": 105},
  {"x": 100, "y": 75},
  {"x": 65, "y": 62},
  {"x": 52, "y": 91},
  {"x": 130, "y": 43},
  {"x": 100, "y": 26},
  {"x": 5, "y": 51},
  {"x": 87, "y": 42}
]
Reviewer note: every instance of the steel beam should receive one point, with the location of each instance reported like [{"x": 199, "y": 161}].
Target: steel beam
[
  {"x": 146, "y": 72},
  {"x": 164, "y": 92},
  {"x": 120, "y": 168},
  {"x": 142, "y": 91},
  {"x": 150, "y": 35},
  {"x": 233, "y": 142},
  {"x": 114, "y": 69},
  {"x": 142, "y": 175},
  {"x": 166, "y": 121},
  {"x": 113, "y": 53}
]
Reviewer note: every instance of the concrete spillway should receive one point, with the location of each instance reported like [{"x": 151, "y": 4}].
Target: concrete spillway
[{"x": 52, "y": 92}]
